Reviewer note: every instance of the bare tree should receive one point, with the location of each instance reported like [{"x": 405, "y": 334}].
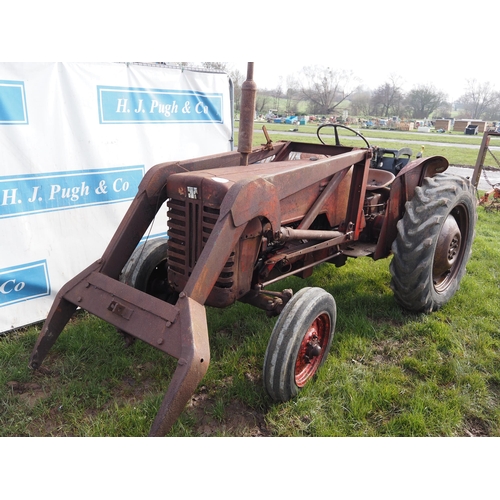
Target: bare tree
[
  {"x": 180, "y": 65},
  {"x": 278, "y": 94},
  {"x": 361, "y": 103},
  {"x": 423, "y": 100},
  {"x": 216, "y": 66},
  {"x": 262, "y": 103},
  {"x": 493, "y": 110},
  {"x": 478, "y": 98},
  {"x": 238, "y": 78},
  {"x": 325, "y": 88},
  {"x": 291, "y": 92},
  {"x": 444, "y": 110},
  {"x": 387, "y": 98}
]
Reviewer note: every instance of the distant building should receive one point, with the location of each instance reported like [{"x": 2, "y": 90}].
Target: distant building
[
  {"x": 442, "y": 124},
  {"x": 461, "y": 125}
]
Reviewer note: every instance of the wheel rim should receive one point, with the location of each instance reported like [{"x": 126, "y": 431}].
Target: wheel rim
[
  {"x": 450, "y": 249},
  {"x": 312, "y": 349},
  {"x": 157, "y": 283},
  {"x": 157, "y": 278}
]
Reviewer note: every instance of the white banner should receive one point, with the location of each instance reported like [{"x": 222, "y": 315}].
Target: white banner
[{"x": 75, "y": 142}]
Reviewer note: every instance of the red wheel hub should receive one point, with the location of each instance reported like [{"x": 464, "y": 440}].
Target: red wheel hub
[{"x": 312, "y": 349}]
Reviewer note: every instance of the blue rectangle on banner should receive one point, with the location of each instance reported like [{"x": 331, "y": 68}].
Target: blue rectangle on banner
[
  {"x": 137, "y": 105},
  {"x": 12, "y": 103},
  {"x": 36, "y": 193},
  {"x": 24, "y": 282}
]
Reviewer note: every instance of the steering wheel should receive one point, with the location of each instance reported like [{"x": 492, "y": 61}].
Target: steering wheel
[{"x": 336, "y": 126}]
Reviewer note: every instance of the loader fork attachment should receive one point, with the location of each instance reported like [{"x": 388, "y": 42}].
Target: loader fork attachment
[
  {"x": 59, "y": 315},
  {"x": 179, "y": 330},
  {"x": 191, "y": 366}
]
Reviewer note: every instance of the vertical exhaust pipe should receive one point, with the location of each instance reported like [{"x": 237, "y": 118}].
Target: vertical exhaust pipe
[{"x": 247, "y": 112}]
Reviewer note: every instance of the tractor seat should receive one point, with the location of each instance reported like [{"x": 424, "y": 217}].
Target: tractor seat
[{"x": 378, "y": 178}]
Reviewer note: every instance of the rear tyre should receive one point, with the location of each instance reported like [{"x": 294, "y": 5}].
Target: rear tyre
[
  {"x": 434, "y": 243},
  {"x": 299, "y": 343}
]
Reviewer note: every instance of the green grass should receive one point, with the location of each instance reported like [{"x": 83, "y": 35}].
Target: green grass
[
  {"x": 389, "y": 373},
  {"x": 449, "y": 137}
]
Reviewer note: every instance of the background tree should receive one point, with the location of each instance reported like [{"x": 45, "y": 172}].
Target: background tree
[
  {"x": 423, "y": 100},
  {"x": 325, "y": 89},
  {"x": 180, "y": 64},
  {"x": 361, "y": 103},
  {"x": 493, "y": 111},
  {"x": 445, "y": 110},
  {"x": 278, "y": 94},
  {"x": 479, "y": 99},
  {"x": 262, "y": 103},
  {"x": 238, "y": 78},
  {"x": 387, "y": 98},
  {"x": 291, "y": 94},
  {"x": 216, "y": 66}
]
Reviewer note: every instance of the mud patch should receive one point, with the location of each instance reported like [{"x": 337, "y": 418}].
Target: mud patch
[
  {"x": 475, "y": 427},
  {"x": 233, "y": 419},
  {"x": 30, "y": 393}
]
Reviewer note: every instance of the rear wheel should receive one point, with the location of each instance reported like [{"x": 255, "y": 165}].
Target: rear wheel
[
  {"x": 434, "y": 243},
  {"x": 299, "y": 343}
]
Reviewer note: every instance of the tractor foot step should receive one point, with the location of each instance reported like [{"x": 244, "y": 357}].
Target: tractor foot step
[{"x": 360, "y": 250}]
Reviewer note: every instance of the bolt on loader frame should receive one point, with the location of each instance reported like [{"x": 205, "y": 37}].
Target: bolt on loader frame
[{"x": 240, "y": 221}]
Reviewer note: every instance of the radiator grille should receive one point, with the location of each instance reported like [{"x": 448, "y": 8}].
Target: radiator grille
[{"x": 190, "y": 225}]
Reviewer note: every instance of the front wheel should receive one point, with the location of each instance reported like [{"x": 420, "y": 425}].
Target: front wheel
[
  {"x": 299, "y": 343},
  {"x": 147, "y": 270},
  {"x": 434, "y": 243}
]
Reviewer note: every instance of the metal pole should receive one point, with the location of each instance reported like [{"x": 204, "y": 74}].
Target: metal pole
[
  {"x": 482, "y": 156},
  {"x": 480, "y": 159}
]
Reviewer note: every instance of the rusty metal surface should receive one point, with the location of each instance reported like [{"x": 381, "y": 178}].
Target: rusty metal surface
[
  {"x": 247, "y": 113},
  {"x": 191, "y": 366},
  {"x": 322, "y": 199}
]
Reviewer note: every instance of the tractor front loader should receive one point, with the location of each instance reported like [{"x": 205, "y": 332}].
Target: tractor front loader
[{"x": 241, "y": 221}]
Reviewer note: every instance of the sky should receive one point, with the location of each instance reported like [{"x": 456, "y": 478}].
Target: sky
[
  {"x": 439, "y": 42},
  {"x": 443, "y": 43},
  {"x": 448, "y": 70}
]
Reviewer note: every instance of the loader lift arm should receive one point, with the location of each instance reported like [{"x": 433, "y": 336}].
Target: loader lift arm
[{"x": 180, "y": 330}]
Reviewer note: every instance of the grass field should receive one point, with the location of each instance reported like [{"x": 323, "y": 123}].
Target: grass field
[{"x": 389, "y": 373}]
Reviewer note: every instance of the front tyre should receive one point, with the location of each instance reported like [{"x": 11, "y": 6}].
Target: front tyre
[
  {"x": 434, "y": 243},
  {"x": 299, "y": 343},
  {"x": 147, "y": 270}
]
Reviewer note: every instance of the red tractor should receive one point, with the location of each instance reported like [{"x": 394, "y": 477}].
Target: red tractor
[{"x": 241, "y": 221}]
